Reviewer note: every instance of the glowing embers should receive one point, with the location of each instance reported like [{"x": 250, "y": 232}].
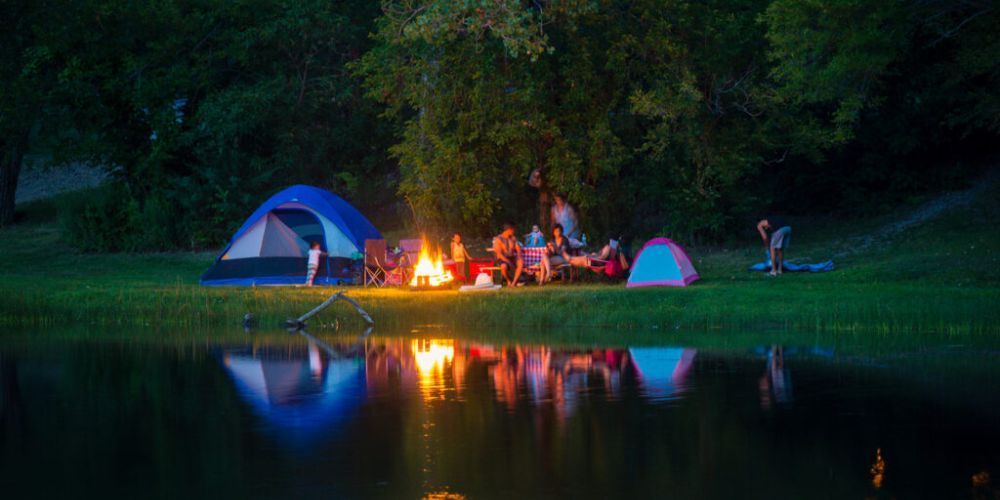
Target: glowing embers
[{"x": 429, "y": 273}]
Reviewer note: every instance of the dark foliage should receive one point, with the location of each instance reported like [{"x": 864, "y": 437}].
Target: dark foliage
[{"x": 681, "y": 117}]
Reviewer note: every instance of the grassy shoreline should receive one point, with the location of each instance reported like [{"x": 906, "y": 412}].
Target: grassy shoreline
[
  {"x": 882, "y": 308},
  {"x": 940, "y": 277}
]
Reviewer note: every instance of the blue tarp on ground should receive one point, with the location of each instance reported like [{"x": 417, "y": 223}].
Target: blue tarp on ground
[{"x": 820, "y": 267}]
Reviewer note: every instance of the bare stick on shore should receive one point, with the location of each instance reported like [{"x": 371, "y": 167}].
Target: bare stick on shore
[{"x": 300, "y": 323}]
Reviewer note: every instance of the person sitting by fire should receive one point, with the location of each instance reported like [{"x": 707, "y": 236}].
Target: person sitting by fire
[{"x": 507, "y": 251}]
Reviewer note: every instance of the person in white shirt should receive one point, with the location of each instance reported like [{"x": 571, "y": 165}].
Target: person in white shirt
[
  {"x": 313, "y": 266},
  {"x": 564, "y": 214}
]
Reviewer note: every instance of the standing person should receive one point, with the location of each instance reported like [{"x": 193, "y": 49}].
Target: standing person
[
  {"x": 508, "y": 254},
  {"x": 461, "y": 257},
  {"x": 564, "y": 215},
  {"x": 313, "y": 266},
  {"x": 776, "y": 234}
]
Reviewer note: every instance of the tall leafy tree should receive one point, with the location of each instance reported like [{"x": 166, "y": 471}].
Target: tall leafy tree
[
  {"x": 628, "y": 107},
  {"x": 488, "y": 92},
  {"x": 892, "y": 98},
  {"x": 702, "y": 92},
  {"x": 22, "y": 92},
  {"x": 202, "y": 107}
]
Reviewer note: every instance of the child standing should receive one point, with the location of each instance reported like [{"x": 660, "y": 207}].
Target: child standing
[
  {"x": 313, "y": 266},
  {"x": 461, "y": 257}
]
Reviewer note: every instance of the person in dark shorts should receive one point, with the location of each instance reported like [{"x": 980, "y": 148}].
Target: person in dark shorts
[
  {"x": 507, "y": 252},
  {"x": 777, "y": 234}
]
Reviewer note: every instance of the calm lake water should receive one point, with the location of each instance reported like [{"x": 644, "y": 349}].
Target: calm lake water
[{"x": 430, "y": 413}]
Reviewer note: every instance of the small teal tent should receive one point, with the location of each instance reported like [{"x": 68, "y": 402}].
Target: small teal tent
[
  {"x": 271, "y": 247},
  {"x": 661, "y": 262}
]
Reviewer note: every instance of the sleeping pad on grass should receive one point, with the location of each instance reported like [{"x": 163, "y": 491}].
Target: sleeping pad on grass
[{"x": 820, "y": 267}]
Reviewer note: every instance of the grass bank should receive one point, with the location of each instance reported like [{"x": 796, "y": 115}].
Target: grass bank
[{"x": 942, "y": 276}]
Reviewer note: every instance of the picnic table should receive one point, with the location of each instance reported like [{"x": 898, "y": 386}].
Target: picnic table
[{"x": 532, "y": 257}]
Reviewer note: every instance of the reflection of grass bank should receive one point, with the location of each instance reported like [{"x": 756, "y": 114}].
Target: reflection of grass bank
[
  {"x": 859, "y": 347},
  {"x": 938, "y": 277}
]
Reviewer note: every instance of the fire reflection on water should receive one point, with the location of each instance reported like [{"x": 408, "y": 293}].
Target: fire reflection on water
[
  {"x": 537, "y": 375},
  {"x": 432, "y": 357}
]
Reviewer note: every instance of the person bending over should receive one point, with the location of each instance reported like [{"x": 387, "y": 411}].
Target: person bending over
[
  {"x": 776, "y": 235},
  {"x": 507, "y": 251}
]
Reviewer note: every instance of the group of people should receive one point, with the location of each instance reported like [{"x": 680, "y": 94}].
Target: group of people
[
  {"x": 559, "y": 251},
  {"x": 562, "y": 251},
  {"x": 566, "y": 248}
]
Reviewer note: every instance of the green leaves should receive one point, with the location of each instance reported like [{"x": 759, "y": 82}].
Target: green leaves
[
  {"x": 834, "y": 55},
  {"x": 651, "y": 115},
  {"x": 214, "y": 104}
]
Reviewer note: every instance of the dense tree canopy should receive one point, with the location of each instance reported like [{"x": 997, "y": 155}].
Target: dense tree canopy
[
  {"x": 684, "y": 117},
  {"x": 200, "y": 108}
]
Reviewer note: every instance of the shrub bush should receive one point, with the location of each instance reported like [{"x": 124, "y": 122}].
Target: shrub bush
[{"x": 104, "y": 219}]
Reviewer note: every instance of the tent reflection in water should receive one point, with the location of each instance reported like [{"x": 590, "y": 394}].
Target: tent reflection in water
[
  {"x": 662, "y": 371},
  {"x": 301, "y": 396}
]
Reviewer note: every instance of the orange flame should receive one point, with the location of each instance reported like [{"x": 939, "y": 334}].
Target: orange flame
[
  {"x": 430, "y": 268},
  {"x": 878, "y": 469}
]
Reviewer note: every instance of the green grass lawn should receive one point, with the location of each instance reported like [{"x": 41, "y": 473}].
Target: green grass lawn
[{"x": 939, "y": 277}]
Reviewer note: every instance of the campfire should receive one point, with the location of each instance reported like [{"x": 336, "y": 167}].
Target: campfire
[{"x": 430, "y": 272}]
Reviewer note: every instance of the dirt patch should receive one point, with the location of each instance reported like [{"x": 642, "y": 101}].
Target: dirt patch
[
  {"x": 926, "y": 212},
  {"x": 39, "y": 182}
]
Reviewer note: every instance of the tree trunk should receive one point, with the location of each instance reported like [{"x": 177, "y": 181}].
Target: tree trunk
[
  {"x": 11, "y": 157},
  {"x": 544, "y": 210}
]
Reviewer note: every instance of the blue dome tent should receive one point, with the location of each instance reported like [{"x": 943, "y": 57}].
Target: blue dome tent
[{"x": 271, "y": 248}]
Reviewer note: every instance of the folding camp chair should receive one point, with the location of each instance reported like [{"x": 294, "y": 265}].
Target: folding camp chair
[
  {"x": 375, "y": 272},
  {"x": 412, "y": 249},
  {"x": 566, "y": 272}
]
